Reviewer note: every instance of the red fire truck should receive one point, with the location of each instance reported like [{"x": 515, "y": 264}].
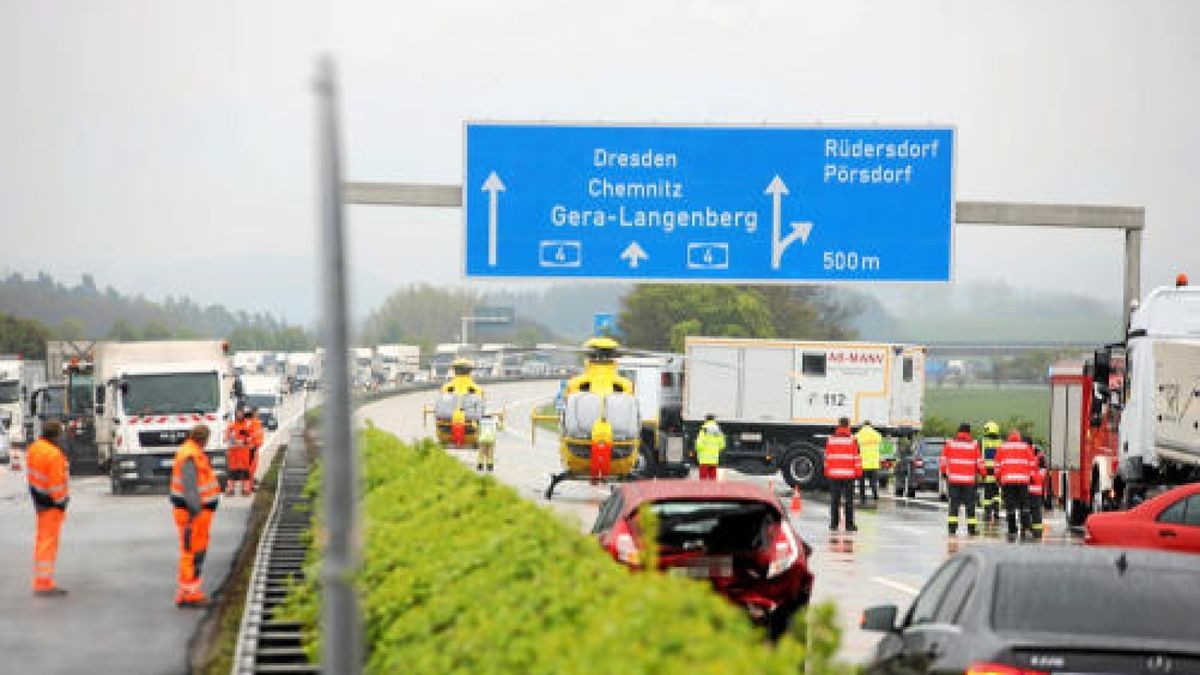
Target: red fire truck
[
  {"x": 1124, "y": 423},
  {"x": 1085, "y": 418}
]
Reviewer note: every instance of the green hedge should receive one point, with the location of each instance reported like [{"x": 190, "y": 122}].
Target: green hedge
[{"x": 462, "y": 575}]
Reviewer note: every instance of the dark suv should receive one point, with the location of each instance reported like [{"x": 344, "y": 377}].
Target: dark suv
[{"x": 918, "y": 469}]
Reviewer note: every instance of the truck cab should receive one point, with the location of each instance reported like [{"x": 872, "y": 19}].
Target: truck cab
[
  {"x": 12, "y": 415},
  {"x": 1159, "y": 438},
  {"x": 148, "y": 410}
]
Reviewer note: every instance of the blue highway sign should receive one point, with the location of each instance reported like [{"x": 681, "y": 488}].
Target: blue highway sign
[
  {"x": 702, "y": 203},
  {"x": 604, "y": 323}
]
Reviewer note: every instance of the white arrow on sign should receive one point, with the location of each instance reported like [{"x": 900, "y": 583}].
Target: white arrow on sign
[
  {"x": 493, "y": 186},
  {"x": 634, "y": 254},
  {"x": 800, "y": 230}
]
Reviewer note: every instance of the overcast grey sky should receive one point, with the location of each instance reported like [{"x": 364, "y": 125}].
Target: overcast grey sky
[{"x": 167, "y": 146}]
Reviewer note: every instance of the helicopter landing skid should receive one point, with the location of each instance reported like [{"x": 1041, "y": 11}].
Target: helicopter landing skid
[{"x": 557, "y": 478}]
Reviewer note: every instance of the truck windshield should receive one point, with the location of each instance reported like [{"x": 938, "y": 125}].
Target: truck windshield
[
  {"x": 170, "y": 393},
  {"x": 10, "y": 391},
  {"x": 82, "y": 394},
  {"x": 262, "y": 400}
]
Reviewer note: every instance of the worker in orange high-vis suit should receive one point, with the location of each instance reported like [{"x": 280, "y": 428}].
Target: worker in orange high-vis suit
[
  {"x": 47, "y": 470},
  {"x": 239, "y": 437},
  {"x": 961, "y": 465},
  {"x": 195, "y": 493},
  {"x": 1015, "y": 464},
  {"x": 257, "y": 437},
  {"x": 843, "y": 465}
]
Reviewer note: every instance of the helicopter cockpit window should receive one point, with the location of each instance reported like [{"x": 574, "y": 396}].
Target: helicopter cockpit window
[
  {"x": 583, "y": 409},
  {"x": 623, "y": 416},
  {"x": 813, "y": 365},
  {"x": 472, "y": 405},
  {"x": 445, "y": 406}
]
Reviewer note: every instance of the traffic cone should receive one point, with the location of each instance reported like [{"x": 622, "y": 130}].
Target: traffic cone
[{"x": 797, "y": 503}]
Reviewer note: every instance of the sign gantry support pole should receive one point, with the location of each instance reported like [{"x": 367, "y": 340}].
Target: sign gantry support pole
[{"x": 340, "y": 621}]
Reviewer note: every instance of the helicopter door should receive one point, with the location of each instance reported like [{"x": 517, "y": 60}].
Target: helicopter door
[
  {"x": 622, "y": 412},
  {"x": 444, "y": 407},
  {"x": 583, "y": 409},
  {"x": 472, "y": 405}
]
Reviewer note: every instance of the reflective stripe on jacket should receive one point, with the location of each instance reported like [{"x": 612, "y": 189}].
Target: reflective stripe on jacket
[
  {"x": 960, "y": 461},
  {"x": 1015, "y": 462},
  {"x": 46, "y": 469},
  {"x": 869, "y": 442},
  {"x": 842, "y": 459},
  {"x": 988, "y": 446},
  {"x": 1037, "y": 484},
  {"x": 710, "y": 441},
  {"x": 200, "y": 491}
]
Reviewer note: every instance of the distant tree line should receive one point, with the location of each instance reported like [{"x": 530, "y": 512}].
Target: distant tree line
[
  {"x": 660, "y": 316},
  {"x": 427, "y": 315},
  {"x": 84, "y": 312}
]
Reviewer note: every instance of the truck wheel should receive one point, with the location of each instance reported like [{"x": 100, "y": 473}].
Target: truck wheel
[
  {"x": 801, "y": 467},
  {"x": 646, "y": 465},
  {"x": 1077, "y": 513}
]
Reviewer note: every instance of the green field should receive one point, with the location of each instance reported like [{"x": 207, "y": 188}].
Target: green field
[{"x": 979, "y": 404}]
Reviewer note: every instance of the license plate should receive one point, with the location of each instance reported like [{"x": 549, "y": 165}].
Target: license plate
[
  {"x": 166, "y": 463},
  {"x": 704, "y": 568}
]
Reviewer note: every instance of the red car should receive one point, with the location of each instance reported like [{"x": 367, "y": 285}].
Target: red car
[
  {"x": 1168, "y": 522},
  {"x": 736, "y": 535}
]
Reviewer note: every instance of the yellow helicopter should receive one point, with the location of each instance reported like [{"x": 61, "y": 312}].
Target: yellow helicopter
[
  {"x": 459, "y": 407},
  {"x": 600, "y": 427}
]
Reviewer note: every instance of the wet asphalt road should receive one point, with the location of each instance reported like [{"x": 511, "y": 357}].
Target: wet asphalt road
[
  {"x": 117, "y": 557},
  {"x": 899, "y": 543}
]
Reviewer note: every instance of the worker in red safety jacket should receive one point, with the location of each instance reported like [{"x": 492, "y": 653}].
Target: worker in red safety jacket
[
  {"x": 843, "y": 465},
  {"x": 1037, "y": 492},
  {"x": 961, "y": 465},
  {"x": 1015, "y": 464}
]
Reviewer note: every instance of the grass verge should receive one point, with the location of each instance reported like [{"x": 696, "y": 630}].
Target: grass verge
[{"x": 460, "y": 574}]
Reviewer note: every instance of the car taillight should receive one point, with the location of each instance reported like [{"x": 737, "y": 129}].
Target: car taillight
[
  {"x": 624, "y": 548},
  {"x": 918, "y": 463},
  {"x": 1000, "y": 669},
  {"x": 784, "y": 551}
]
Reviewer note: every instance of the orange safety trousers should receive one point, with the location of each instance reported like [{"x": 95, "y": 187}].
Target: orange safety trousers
[
  {"x": 193, "y": 546},
  {"x": 45, "y": 549}
]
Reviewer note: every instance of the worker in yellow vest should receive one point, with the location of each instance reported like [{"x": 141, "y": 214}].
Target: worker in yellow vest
[
  {"x": 710, "y": 441},
  {"x": 869, "y": 442}
]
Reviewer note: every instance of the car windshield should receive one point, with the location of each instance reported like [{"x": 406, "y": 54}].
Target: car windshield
[
  {"x": 262, "y": 400},
  {"x": 170, "y": 393},
  {"x": 10, "y": 391},
  {"x": 1097, "y": 600},
  {"x": 931, "y": 449}
]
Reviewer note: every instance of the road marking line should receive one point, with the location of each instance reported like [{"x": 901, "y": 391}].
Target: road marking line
[
  {"x": 904, "y": 588},
  {"x": 906, "y": 528}
]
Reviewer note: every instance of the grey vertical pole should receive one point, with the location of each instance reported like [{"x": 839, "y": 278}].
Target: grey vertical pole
[
  {"x": 1133, "y": 272},
  {"x": 342, "y": 645}
]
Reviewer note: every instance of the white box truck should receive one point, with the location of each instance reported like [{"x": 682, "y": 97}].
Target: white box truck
[
  {"x": 301, "y": 370},
  {"x": 263, "y": 392},
  {"x": 1159, "y": 442},
  {"x": 396, "y": 363},
  {"x": 779, "y": 400},
  {"x": 149, "y": 395},
  {"x": 12, "y": 407}
]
